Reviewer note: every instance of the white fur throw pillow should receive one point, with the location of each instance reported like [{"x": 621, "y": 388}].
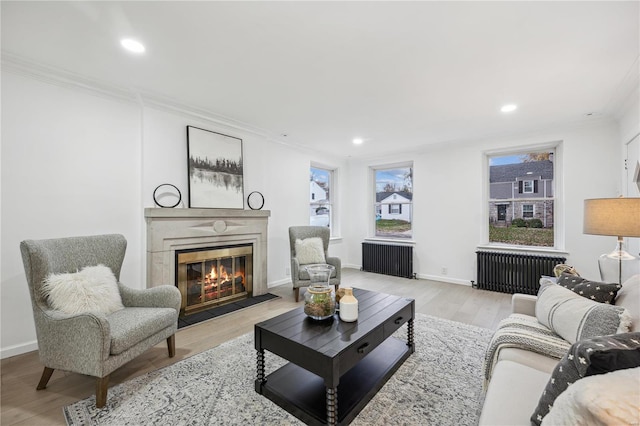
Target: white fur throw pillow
[
  {"x": 310, "y": 250},
  {"x": 93, "y": 289},
  {"x": 603, "y": 399}
]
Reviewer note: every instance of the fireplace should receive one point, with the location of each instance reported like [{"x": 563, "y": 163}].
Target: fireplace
[
  {"x": 212, "y": 276},
  {"x": 238, "y": 239}
]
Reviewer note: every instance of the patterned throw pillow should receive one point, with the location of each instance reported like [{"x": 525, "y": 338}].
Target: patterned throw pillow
[
  {"x": 585, "y": 358},
  {"x": 574, "y": 318},
  {"x": 596, "y": 291}
]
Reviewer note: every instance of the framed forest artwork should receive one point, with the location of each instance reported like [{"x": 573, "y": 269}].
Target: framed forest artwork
[{"x": 215, "y": 170}]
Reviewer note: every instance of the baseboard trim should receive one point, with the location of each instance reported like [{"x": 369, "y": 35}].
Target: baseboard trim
[
  {"x": 18, "y": 349},
  {"x": 445, "y": 279}
]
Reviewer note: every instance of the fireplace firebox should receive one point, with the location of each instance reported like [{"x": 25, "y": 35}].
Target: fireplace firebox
[{"x": 213, "y": 276}]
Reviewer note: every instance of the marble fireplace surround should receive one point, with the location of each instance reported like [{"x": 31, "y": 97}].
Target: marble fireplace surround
[{"x": 169, "y": 230}]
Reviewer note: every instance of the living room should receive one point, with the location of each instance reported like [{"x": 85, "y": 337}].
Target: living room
[{"x": 82, "y": 154}]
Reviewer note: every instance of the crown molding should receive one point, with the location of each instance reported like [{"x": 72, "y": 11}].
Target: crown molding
[
  {"x": 17, "y": 64},
  {"x": 24, "y": 67},
  {"x": 64, "y": 78}
]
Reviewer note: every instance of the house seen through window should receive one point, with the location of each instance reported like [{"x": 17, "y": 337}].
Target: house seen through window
[
  {"x": 394, "y": 201},
  {"x": 522, "y": 199},
  {"x": 320, "y": 206}
]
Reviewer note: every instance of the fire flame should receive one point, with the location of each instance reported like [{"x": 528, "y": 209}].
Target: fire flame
[{"x": 221, "y": 275}]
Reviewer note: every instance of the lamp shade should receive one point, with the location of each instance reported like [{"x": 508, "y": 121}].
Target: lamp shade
[{"x": 612, "y": 216}]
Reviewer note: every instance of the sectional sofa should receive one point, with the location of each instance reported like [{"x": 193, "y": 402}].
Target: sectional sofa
[{"x": 544, "y": 339}]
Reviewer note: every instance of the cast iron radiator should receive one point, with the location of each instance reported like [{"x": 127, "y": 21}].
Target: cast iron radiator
[
  {"x": 513, "y": 272},
  {"x": 388, "y": 259}
]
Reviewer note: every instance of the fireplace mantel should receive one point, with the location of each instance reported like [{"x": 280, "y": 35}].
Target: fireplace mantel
[{"x": 169, "y": 230}]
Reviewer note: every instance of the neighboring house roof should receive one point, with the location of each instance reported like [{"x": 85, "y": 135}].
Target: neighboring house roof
[
  {"x": 383, "y": 195},
  {"x": 510, "y": 172}
]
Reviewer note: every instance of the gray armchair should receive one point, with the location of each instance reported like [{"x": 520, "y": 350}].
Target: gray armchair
[
  {"x": 95, "y": 344},
  {"x": 299, "y": 276}
]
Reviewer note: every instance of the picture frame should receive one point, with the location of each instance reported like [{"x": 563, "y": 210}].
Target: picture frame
[{"x": 215, "y": 170}]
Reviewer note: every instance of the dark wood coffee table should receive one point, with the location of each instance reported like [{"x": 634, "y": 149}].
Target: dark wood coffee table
[{"x": 335, "y": 367}]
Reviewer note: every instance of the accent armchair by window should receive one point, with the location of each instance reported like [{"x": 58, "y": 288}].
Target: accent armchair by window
[
  {"x": 312, "y": 248},
  {"x": 93, "y": 343}
]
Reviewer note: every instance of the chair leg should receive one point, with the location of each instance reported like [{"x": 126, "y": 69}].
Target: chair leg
[
  {"x": 46, "y": 375},
  {"x": 171, "y": 345},
  {"x": 102, "y": 385},
  {"x": 296, "y": 292}
]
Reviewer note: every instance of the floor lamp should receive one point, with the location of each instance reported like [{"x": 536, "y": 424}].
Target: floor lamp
[{"x": 618, "y": 217}]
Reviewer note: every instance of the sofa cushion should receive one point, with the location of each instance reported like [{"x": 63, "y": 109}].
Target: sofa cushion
[
  {"x": 130, "y": 326},
  {"x": 540, "y": 362},
  {"x": 309, "y": 251},
  {"x": 629, "y": 298},
  {"x": 508, "y": 400},
  {"x": 526, "y": 333},
  {"x": 604, "y": 399},
  {"x": 574, "y": 317},
  {"x": 593, "y": 290},
  {"x": 606, "y": 353},
  {"x": 92, "y": 289}
]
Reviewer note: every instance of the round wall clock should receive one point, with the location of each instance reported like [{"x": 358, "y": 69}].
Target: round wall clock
[
  {"x": 167, "y": 197},
  {"x": 255, "y": 200}
]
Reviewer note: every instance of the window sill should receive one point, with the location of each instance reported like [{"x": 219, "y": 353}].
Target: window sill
[
  {"x": 529, "y": 249},
  {"x": 391, "y": 241}
]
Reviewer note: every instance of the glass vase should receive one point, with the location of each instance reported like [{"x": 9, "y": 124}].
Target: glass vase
[{"x": 319, "y": 300}]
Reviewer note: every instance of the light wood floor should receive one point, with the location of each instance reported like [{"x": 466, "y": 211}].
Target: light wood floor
[{"x": 21, "y": 404}]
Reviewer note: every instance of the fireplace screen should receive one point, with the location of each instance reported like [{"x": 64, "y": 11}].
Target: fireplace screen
[{"x": 213, "y": 276}]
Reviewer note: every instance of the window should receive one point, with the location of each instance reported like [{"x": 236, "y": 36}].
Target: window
[
  {"x": 521, "y": 200},
  {"x": 320, "y": 191},
  {"x": 393, "y": 201},
  {"x": 527, "y": 186}
]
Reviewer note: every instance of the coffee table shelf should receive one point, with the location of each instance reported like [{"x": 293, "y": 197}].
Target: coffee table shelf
[
  {"x": 303, "y": 393},
  {"x": 335, "y": 368}
]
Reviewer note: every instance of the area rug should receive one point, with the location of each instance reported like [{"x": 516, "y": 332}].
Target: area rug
[{"x": 440, "y": 384}]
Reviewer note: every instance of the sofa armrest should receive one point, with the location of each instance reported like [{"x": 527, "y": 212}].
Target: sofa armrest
[
  {"x": 524, "y": 304},
  {"x": 164, "y": 296}
]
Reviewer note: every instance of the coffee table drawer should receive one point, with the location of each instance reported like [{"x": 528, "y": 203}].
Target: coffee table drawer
[
  {"x": 395, "y": 322},
  {"x": 360, "y": 349}
]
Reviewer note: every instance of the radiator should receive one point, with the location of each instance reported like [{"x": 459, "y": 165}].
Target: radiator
[
  {"x": 513, "y": 272},
  {"x": 388, "y": 259}
]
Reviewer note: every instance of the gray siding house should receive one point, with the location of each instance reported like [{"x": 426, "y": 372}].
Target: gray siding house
[{"x": 523, "y": 190}]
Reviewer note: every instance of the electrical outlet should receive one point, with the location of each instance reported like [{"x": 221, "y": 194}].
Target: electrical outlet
[
  {"x": 444, "y": 270},
  {"x": 287, "y": 271}
]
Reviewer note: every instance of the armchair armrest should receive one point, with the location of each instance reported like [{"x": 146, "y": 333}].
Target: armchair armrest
[
  {"x": 336, "y": 263},
  {"x": 164, "y": 296},
  {"x": 78, "y": 343},
  {"x": 524, "y": 304}
]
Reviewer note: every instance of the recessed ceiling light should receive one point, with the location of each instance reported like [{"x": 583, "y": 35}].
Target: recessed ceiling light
[
  {"x": 358, "y": 141},
  {"x": 509, "y": 108},
  {"x": 132, "y": 45}
]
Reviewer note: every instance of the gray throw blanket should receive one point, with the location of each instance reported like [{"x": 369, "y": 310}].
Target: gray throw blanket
[{"x": 523, "y": 332}]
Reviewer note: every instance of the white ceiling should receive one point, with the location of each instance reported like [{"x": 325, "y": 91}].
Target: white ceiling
[{"x": 398, "y": 74}]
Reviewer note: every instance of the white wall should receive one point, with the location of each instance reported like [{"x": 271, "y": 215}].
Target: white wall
[
  {"x": 70, "y": 166},
  {"x": 630, "y": 142},
  {"x": 80, "y": 162},
  {"x": 449, "y": 207}
]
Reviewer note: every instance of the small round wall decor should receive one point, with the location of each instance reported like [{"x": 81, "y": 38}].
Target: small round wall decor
[
  {"x": 255, "y": 200},
  {"x": 167, "y": 197}
]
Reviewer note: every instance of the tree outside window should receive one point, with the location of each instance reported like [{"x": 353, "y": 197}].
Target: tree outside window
[{"x": 394, "y": 201}]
